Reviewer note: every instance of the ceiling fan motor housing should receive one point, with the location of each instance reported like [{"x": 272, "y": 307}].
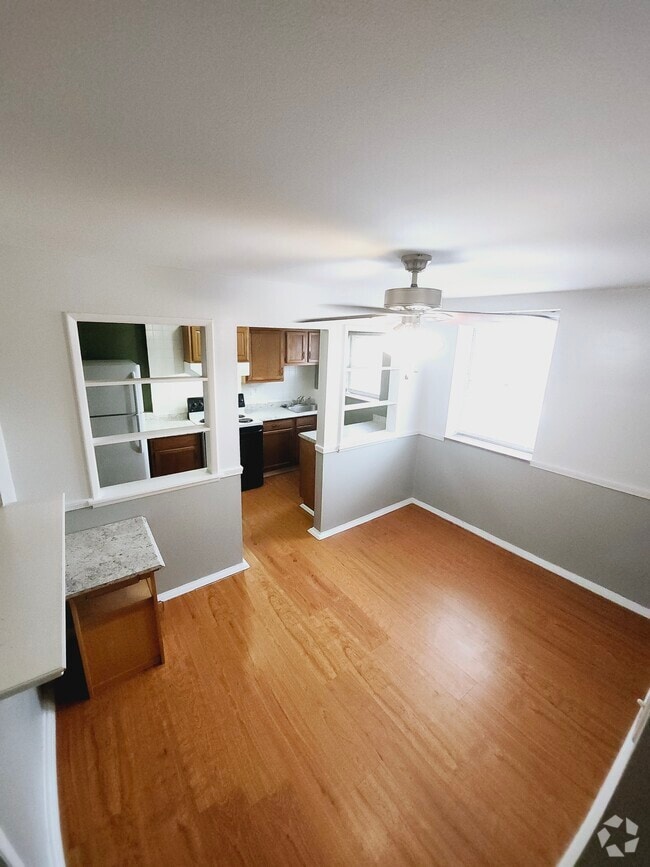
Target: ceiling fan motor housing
[{"x": 416, "y": 299}]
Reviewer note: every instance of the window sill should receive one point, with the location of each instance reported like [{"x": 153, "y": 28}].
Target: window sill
[
  {"x": 492, "y": 447},
  {"x": 159, "y": 485},
  {"x": 368, "y": 437}
]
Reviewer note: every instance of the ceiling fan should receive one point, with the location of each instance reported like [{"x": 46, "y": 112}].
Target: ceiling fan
[{"x": 415, "y": 303}]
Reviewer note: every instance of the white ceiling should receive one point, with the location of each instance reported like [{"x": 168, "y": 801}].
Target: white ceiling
[{"x": 310, "y": 141}]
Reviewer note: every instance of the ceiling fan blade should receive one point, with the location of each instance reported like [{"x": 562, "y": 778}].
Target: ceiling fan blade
[
  {"x": 343, "y": 318},
  {"x": 356, "y": 312},
  {"x": 478, "y": 317},
  {"x": 359, "y": 308}
]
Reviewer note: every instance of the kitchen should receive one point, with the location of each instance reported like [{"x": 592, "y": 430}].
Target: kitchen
[
  {"x": 278, "y": 401},
  {"x": 278, "y": 404}
]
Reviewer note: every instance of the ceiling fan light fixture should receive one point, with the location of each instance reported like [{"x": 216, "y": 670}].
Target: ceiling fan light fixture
[{"x": 418, "y": 299}]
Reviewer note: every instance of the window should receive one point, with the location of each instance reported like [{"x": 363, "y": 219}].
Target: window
[
  {"x": 135, "y": 384},
  {"x": 366, "y": 361},
  {"x": 499, "y": 379},
  {"x": 370, "y": 395}
]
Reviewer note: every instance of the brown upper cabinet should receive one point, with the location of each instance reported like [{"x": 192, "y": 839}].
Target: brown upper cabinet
[
  {"x": 243, "y": 344},
  {"x": 295, "y": 347},
  {"x": 301, "y": 347},
  {"x": 266, "y": 355},
  {"x": 313, "y": 347},
  {"x": 192, "y": 344}
]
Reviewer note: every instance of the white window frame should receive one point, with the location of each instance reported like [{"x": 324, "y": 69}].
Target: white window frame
[
  {"x": 457, "y": 395},
  {"x": 131, "y": 490},
  {"x": 346, "y": 435}
]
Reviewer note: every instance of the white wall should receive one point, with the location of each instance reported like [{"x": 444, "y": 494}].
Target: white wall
[
  {"x": 39, "y": 412},
  {"x": 37, "y": 405},
  {"x": 596, "y": 412},
  {"x": 298, "y": 380},
  {"x": 29, "y": 822}
]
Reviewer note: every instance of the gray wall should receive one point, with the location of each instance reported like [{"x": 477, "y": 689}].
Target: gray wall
[
  {"x": 198, "y": 529},
  {"x": 597, "y": 533},
  {"x": 24, "y": 809},
  {"x": 361, "y": 480}
]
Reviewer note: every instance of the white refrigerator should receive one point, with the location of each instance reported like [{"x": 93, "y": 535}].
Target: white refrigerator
[{"x": 117, "y": 409}]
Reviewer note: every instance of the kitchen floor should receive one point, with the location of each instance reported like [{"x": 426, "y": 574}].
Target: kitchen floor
[{"x": 402, "y": 693}]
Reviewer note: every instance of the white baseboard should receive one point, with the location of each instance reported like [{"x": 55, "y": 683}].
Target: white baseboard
[
  {"x": 613, "y": 778},
  {"x": 307, "y": 509},
  {"x": 203, "y": 582},
  {"x": 325, "y": 534},
  {"x": 520, "y": 552},
  {"x": 50, "y": 782},
  {"x": 533, "y": 558}
]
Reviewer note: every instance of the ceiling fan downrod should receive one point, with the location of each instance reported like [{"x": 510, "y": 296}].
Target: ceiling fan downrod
[
  {"x": 413, "y": 299},
  {"x": 415, "y": 262}
]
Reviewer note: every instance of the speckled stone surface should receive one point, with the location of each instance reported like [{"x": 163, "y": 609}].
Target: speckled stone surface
[{"x": 113, "y": 552}]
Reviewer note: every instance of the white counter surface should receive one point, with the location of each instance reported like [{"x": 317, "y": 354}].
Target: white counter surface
[
  {"x": 110, "y": 553},
  {"x": 32, "y": 601},
  {"x": 153, "y": 423},
  {"x": 272, "y": 412},
  {"x": 309, "y": 435}
]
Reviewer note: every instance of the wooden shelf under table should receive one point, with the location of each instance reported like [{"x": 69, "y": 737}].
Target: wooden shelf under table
[{"x": 118, "y": 630}]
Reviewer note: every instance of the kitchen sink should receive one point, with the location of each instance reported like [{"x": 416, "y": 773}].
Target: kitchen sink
[{"x": 303, "y": 407}]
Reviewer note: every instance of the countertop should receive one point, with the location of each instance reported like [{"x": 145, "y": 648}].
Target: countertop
[
  {"x": 153, "y": 423},
  {"x": 309, "y": 435},
  {"x": 32, "y": 602},
  {"x": 110, "y": 553},
  {"x": 272, "y": 412}
]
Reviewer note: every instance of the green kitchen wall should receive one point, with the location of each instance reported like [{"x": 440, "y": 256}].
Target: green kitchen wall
[{"x": 106, "y": 341}]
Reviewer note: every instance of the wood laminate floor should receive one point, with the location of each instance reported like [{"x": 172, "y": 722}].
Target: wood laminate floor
[{"x": 402, "y": 693}]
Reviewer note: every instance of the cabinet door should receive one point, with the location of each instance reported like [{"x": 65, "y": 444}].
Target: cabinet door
[
  {"x": 168, "y": 455},
  {"x": 295, "y": 347},
  {"x": 243, "y": 351},
  {"x": 279, "y": 448},
  {"x": 306, "y": 422},
  {"x": 266, "y": 355},
  {"x": 303, "y": 423},
  {"x": 192, "y": 344},
  {"x": 313, "y": 347},
  {"x": 308, "y": 473}
]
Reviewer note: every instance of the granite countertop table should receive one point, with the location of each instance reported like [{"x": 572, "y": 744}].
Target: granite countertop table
[{"x": 109, "y": 554}]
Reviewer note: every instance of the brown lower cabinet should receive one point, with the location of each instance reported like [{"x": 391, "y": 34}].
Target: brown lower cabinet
[
  {"x": 281, "y": 442},
  {"x": 118, "y": 631},
  {"x": 168, "y": 455},
  {"x": 308, "y": 472}
]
